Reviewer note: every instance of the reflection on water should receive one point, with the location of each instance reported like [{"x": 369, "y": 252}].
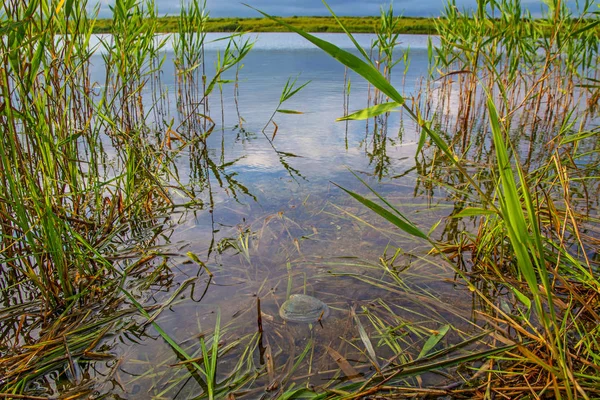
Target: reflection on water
[{"x": 275, "y": 225}]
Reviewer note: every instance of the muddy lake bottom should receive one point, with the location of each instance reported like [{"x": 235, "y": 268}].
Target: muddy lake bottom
[{"x": 327, "y": 248}]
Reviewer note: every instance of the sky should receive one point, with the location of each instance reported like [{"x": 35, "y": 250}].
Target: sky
[{"x": 234, "y": 8}]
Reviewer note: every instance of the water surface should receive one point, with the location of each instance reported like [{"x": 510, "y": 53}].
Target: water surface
[{"x": 275, "y": 223}]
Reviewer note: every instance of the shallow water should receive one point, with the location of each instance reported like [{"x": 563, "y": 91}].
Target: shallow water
[{"x": 293, "y": 232}]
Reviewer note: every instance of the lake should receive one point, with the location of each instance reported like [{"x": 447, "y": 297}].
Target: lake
[{"x": 275, "y": 223}]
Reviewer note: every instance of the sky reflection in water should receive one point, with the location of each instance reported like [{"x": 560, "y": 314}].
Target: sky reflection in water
[{"x": 302, "y": 232}]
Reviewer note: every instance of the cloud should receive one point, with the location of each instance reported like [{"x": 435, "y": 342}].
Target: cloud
[
  {"x": 312, "y": 7},
  {"x": 235, "y": 8}
]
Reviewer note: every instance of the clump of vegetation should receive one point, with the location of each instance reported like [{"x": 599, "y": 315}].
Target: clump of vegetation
[
  {"x": 368, "y": 24},
  {"x": 532, "y": 238},
  {"x": 87, "y": 180}
]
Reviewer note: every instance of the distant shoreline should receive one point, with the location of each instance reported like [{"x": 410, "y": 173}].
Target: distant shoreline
[{"x": 406, "y": 25}]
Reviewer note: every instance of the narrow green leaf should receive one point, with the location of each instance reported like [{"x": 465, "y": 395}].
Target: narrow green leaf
[
  {"x": 289, "y": 112},
  {"x": 473, "y": 211},
  {"x": 434, "y": 227},
  {"x": 387, "y": 203},
  {"x": 358, "y": 47},
  {"x": 454, "y": 361},
  {"x": 289, "y": 93},
  {"x": 215, "y": 349},
  {"x": 371, "y": 111},
  {"x": 161, "y": 332},
  {"x": 512, "y": 211},
  {"x": 522, "y": 298},
  {"x": 434, "y": 340},
  {"x": 422, "y": 138},
  {"x": 197, "y": 260},
  {"x": 301, "y": 357},
  {"x": 405, "y": 226},
  {"x": 577, "y": 137},
  {"x": 586, "y": 28},
  {"x": 36, "y": 60}
]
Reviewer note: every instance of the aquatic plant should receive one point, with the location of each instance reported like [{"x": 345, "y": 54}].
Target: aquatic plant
[
  {"x": 512, "y": 216},
  {"x": 87, "y": 182}
]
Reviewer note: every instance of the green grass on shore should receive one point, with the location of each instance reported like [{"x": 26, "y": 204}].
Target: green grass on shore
[
  {"x": 414, "y": 25},
  {"x": 406, "y": 25}
]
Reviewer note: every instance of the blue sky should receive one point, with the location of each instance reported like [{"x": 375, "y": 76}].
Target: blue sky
[{"x": 234, "y": 8}]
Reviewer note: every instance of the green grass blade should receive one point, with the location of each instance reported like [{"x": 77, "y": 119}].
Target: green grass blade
[
  {"x": 512, "y": 211},
  {"x": 371, "y": 111},
  {"x": 473, "y": 211},
  {"x": 434, "y": 340},
  {"x": 387, "y": 203},
  {"x": 358, "y": 47},
  {"x": 282, "y": 111},
  {"x": 161, "y": 332},
  {"x": 454, "y": 361},
  {"x": 290, "y": 92},
  {"x": 405, "y": 226}
]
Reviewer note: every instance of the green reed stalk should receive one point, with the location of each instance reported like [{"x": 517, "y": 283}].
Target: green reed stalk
[
  {"x": 289, "y": 90},
  {"x": 516, "y": 213},
  {"x": 83, "y": 174},
  {"x": 129, "y": 53},
  {"x": 39, "y": 162}
]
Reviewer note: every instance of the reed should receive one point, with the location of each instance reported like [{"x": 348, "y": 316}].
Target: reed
[
  {"x": 530, "y": 67},
  {"x": 188, "y": 46},
  {"x": 543, "y": 264},
  {"x": 87, "y": 176},
  {"x": 45, "y": 191},
  {"x": 385, "y": 54}
]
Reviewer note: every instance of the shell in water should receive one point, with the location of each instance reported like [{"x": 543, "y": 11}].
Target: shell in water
[{"x": 303, "y": 308}]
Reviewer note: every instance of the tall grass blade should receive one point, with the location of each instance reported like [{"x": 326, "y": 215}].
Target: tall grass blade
[
  {"x": 379, "y": 210},
  {"x": 433, "y": 340},
  {"x": 371, "y": 112},
  {"x": 347, "y": 32}
]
